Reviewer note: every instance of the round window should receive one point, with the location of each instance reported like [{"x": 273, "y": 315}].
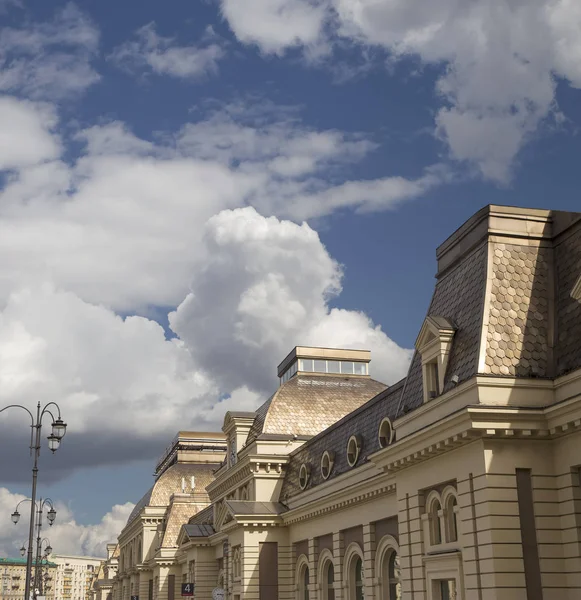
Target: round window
[
  {"x": 353, "y": 449},
  {"x": 304, "y": 475},
  {"x": 326, "y": 464},
  {"x": 385, "y": 433}
]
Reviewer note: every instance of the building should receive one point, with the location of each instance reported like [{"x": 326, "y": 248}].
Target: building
[
  {"x": 460, "y": 482},
  {"x": 147, "y": 545},
  {"x": 102, "y": 586},
  {"x": 74, "y": 576},
  {"x": 13, "y": 578}
]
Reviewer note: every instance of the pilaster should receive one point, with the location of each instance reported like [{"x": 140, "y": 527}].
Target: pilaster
[
  {"x": 370, "y": 578},
  {"x": 338, "y": 559}
]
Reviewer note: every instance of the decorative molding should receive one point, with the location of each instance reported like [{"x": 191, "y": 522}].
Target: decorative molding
[{"x": 307, "y": 512}]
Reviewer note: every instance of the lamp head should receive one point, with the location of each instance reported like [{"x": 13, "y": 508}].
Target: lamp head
[
  {"x": 53, "y": 442},
  {"x": 59, "y": 428},
  {"x": 15, "y": 516}
]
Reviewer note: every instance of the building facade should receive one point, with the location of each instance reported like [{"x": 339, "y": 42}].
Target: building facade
[
  {"x": 74, "y": 576},
  {"x": 460, "y": 482},
  {"x": 13, "y": 578}
]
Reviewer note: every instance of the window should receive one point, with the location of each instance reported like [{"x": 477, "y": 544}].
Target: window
[
  {"x": 385, "y": 433},
  {"x": 445, "y": 589},
  {"x": 290, "y": 372},
  {"x": 451, "y": 518},
  {"x": 344, "y": 367},
  {"x": 333, "y": 366},
  {"x": 304, "y": 475},
  {"x": 326, "y": 464},
  {"x": 302, "y": 578},
  {"x": 353, "y": 449},
  {"x": 358, "y": 580},
  {"x": 236, "y": 562},
  {"x": 329, "y": 581},
  {"x": 394, "y": 576},
  {"x": 434, "y": 343}
]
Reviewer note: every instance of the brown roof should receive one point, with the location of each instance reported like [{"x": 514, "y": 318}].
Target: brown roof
[
  {"x": 307, "y": 404},
  {"x": 179, "y": 513},
  {"x": 364, "y": 422},
  {"x": 170, "y": 482}
]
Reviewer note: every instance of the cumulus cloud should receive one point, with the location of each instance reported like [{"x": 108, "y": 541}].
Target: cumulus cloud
[
  {"x": 130, "y": 205},
  {"x": 162, "y": 56},
  {"x": 66, "y": 535},
  {"x": 501, "y": 60},
  {"x": 264, "y": 287},
  {"x": 259, "y": 287},
  {"x": 49, "y": 60}
]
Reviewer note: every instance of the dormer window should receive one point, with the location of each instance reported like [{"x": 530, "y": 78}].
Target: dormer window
[{"x": 434, "y": 343}]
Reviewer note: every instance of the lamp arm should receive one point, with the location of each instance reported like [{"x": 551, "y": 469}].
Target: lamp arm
[{"x": 31, "y": 420}]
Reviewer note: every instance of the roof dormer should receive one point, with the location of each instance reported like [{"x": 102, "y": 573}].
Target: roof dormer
[{"x": 434, "y": 343}]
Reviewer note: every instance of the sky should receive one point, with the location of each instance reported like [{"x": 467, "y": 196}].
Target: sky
[{"x": 189, "y": 189}]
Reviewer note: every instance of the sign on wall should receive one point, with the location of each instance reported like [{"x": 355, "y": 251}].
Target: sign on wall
[{"x": 187, "y": 589}]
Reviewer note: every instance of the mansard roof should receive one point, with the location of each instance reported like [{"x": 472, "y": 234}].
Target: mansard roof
[
  {"x": 309, "y": 403},
  {"x": 170, "y": 482},
  {"x": 506, "y": 284}
]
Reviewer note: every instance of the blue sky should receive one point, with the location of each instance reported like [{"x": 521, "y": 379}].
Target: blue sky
[{"x": 189, "y": 190}]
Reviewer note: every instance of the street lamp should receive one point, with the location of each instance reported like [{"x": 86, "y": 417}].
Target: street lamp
[
  {"x": 41, "y": 557},
  {"x": 59, "y": 429}
]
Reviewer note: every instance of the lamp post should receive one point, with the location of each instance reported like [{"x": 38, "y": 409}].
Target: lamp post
[
  {"x": 41, "y": 559},
  {"x": 59, "y": 429}
]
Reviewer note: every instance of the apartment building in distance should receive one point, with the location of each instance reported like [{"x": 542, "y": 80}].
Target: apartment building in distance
[
  {"x": 13, "y": 578},
  {"x": 459, "y": 482},
  {"x": 74, "y": 576}
]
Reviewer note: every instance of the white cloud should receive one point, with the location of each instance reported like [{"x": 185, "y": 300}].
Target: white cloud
[
  {"x": 66, "y": 535},
  {"x": 55, "y": 347},
  {"x": 501, "y": 59},
  {"x": 275, "y": 25},
  {"x": 131, "y": 206},
  {"x": 259, "y": 287},
  {"x": 49, "y": 60},
  {"x": 263, "y": 287},
  {"x": 163, "y": 57},
  {"x": 26, "y": 136}
]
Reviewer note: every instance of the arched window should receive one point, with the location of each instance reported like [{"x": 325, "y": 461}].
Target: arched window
[
  {"x": 387, "y": 566},
  {"x": 302, "y": 578},
  {"x": 450, "y": 502},
  {"x": 329, "y": 581},
  {"x": 354, "y": 572},
  {"x": 435, "y": 516},
  {"x": 358, "y": 580}
]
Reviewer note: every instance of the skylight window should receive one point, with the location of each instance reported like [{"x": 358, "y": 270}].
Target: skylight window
[{"x": 343, "y": 367}]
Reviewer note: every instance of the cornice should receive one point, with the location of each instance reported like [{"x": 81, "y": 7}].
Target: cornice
[
  {"x": 250, "y": 467},
  {"x": 338, "y": 502}
]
